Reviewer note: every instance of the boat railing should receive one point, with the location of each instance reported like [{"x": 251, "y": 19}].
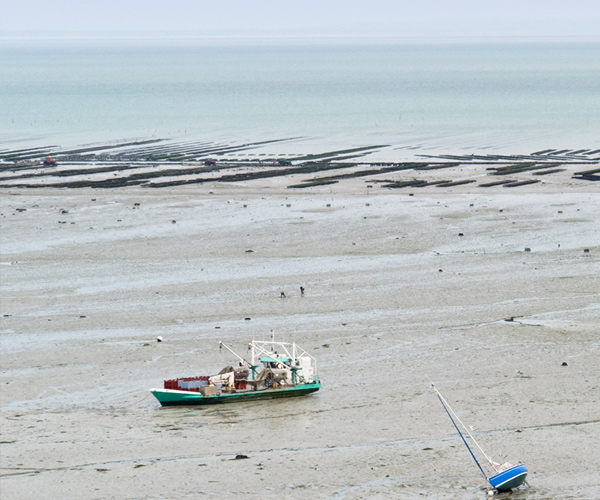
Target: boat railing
[{"x": 292, "y": 351}]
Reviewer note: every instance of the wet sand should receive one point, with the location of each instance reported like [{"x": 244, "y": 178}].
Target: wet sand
[{"x": 490, "y": 293}]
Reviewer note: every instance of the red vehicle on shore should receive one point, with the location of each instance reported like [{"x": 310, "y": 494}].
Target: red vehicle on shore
[{"x": 49, "y": 162}]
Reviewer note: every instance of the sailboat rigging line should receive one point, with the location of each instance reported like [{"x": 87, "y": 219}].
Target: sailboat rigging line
[
  {"x": 462, "y": 437},
  {"x": 449, "y": 409}
]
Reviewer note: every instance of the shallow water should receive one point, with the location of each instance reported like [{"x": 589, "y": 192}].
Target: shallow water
[{"x": 417, "y": 94}]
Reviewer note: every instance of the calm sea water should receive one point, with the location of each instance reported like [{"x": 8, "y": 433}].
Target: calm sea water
[{"x": 472, "y": 94}]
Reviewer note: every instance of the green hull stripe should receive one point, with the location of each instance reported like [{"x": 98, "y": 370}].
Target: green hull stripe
[{"x": 194, "y": 398}]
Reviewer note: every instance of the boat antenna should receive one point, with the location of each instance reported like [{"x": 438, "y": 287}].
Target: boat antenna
[{"x": 452, "y": 413}]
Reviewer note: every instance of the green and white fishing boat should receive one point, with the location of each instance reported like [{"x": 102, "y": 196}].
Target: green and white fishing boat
[{"x": 274, "y": 370}]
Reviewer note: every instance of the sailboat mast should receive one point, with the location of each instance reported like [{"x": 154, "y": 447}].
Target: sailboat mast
[
  {"x": 462, "y": 437},
  {"x": 451, "y": 413}
]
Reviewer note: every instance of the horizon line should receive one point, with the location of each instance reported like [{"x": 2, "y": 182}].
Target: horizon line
[{"x": 169, "y": 36}]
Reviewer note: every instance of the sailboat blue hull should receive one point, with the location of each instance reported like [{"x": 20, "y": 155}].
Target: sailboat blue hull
[{"x": 510, "y": 478}]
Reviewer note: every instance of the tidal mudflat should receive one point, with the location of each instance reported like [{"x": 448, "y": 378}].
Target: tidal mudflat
[{"x": 490, "y": 291}]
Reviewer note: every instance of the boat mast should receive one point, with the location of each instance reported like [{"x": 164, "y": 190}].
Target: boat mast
[
  {"x": 451, "y": 413},
  {"x": 253, "y": 366}
]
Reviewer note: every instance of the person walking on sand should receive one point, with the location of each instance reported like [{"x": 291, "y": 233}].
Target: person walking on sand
[
  {"x": 282, "y": 295},
  {"x": 301, "y": 290}
]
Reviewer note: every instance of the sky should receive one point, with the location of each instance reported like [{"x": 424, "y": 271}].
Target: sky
[{"x": 304, "y": 18}]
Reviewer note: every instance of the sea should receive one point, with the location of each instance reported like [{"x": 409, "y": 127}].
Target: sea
[{"x": 447, "y": 94}]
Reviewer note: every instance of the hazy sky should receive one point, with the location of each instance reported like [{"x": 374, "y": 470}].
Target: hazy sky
[{"x": 399, "y": 18}]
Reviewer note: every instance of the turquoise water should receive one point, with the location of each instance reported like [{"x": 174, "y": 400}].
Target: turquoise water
[{"x": 488, "y": 94}]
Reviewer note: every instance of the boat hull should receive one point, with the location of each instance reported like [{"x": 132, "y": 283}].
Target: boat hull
[
  {"x": 169, "y": 397},
  {"x": 510, "y": 478}
]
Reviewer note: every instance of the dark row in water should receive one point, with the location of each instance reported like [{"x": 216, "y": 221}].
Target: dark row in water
[
  {"x": 149, "y": 150},
  {"x": 156, "y": 163}
]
